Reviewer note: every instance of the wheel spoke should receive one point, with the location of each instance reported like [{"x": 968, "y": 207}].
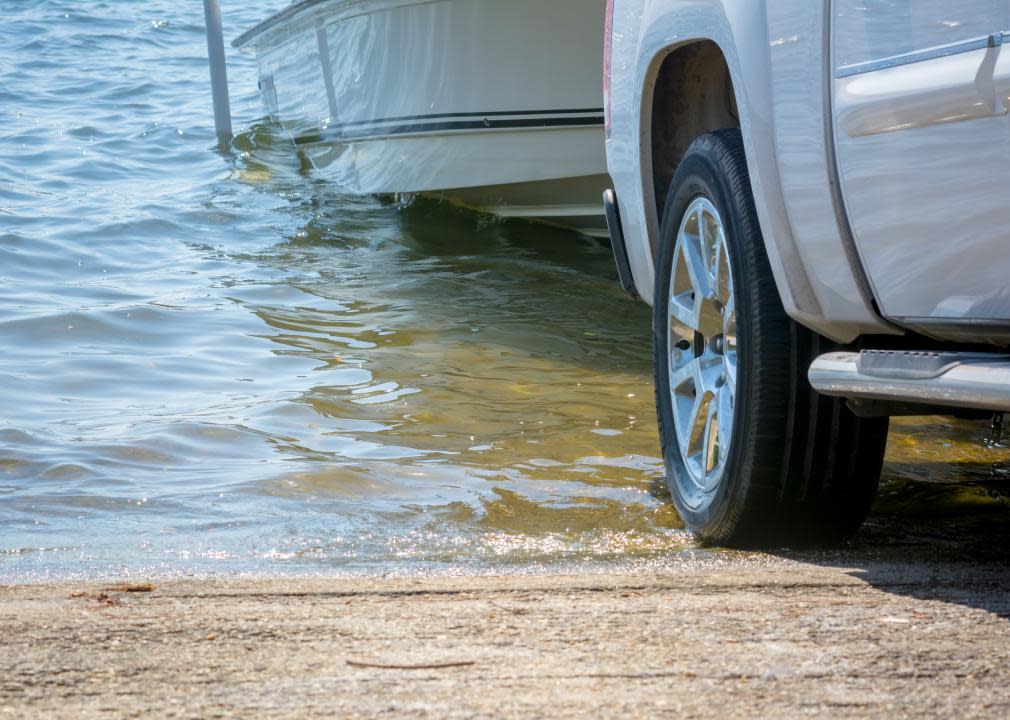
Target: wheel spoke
[
  {"x": 690, "y": 436},
  {"x": 729, "y": 374},
  {"x": 725, "y": 401},
  {"x": 710, "y": 441},
  {"x": 723, "y": 276},
  {"x": 686, "y": 373},
  {"x": 716, "y": 273},
  {"x": 709, "y": 372},
  {"x": 683, "y": 310},
  {"x": 729, "y": 343},
  {"x": 709, "y": 318},
  {"x": 729, "y": 316},
  {"x": 687, "y": 395},
  {"x": 699, "y": 223},
  {"x": 696, "y": 266}
]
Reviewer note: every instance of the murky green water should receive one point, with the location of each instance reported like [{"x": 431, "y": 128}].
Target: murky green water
[{"x": 216, "y": 362}]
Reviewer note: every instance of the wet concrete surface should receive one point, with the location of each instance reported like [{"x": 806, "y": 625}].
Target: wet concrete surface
[{"x": 896, "y": 631}]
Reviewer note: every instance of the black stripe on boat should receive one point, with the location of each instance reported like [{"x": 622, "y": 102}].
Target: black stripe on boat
[
  {"x": 474, "y": 115},
  {"x": 483, "y": 121}
]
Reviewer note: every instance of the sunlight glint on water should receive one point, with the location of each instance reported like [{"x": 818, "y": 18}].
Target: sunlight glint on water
[{"x": 216, "y": 362}]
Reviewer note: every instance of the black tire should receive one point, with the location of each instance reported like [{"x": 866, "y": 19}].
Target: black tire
[{"x": 801, "y": 468}]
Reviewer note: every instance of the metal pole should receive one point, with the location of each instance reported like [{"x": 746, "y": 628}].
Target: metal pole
[{"x": 218, "y": 71}]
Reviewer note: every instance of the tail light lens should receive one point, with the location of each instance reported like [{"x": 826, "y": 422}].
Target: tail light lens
[{"x": 608, "y": 29}]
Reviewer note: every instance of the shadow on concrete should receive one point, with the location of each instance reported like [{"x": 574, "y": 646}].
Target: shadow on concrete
[{"x": 945, "y": 541}]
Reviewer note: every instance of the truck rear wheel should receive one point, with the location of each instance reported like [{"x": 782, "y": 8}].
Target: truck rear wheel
[{"x": 753, "y": 455}]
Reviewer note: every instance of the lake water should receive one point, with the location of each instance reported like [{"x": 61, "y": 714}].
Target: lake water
[{"x": 215, "y": 362}]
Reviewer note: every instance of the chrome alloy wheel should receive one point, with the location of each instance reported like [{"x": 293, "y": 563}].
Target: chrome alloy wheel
[{"x": 701, "y": 322}]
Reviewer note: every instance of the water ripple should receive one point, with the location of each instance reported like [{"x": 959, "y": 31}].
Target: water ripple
[{"x": 212, "y": 360}]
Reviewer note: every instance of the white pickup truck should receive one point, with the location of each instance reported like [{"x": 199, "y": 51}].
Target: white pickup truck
[{"x": 814, "y": 196}]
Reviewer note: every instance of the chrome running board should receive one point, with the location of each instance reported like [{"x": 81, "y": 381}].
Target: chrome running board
[{"x": 978, "y": 381}]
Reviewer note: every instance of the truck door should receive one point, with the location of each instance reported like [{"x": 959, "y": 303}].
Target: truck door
[{"x": 922, "y": 142}]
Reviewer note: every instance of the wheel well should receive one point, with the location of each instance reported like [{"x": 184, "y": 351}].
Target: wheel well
[{"x": 693, "y": 95}]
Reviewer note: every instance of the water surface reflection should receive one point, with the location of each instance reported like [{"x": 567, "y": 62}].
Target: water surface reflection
[{"x": 219, "y": 363}]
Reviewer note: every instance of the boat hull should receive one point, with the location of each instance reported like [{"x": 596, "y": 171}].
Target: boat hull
[{"x": 494, "y": 103}]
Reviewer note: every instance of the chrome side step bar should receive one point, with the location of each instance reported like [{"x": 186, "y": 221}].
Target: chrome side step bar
[{"x": 978, "y": 381}]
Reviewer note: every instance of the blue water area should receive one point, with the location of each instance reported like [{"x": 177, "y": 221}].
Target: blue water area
[{"x": 213, "y": 361}]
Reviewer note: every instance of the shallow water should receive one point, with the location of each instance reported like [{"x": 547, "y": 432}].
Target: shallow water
[{"x": 215, "y": 362}]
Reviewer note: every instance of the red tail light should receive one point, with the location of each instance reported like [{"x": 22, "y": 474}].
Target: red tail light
[{"x": 608, "y": 29}]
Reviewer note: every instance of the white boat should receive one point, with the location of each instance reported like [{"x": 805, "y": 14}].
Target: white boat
[{"x": 496, "y": 104}]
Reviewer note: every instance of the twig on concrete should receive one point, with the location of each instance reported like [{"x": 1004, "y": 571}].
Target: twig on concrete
[
  {"x": 101, "y": 598},
  {"x": 419, "y": 666},
  {"x": 130, "y": 587}
]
